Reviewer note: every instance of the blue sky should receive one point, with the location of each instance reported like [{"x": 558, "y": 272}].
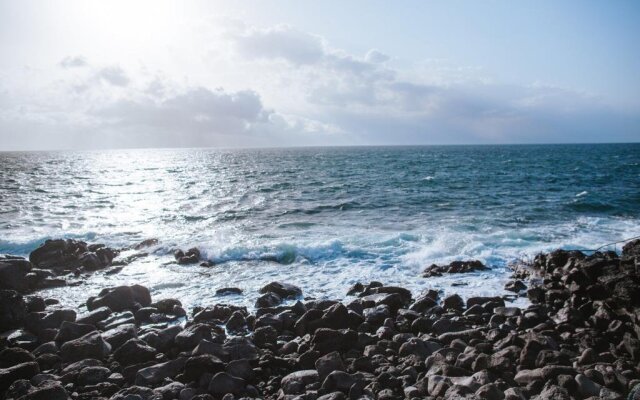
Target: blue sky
[{"x": 90, "y": 74}]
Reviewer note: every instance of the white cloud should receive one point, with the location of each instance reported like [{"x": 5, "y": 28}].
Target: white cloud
[
  {"x": 113, "y": 75},
  {"x": 73, "y": 62},
  {"x": 376, "y": 56}
]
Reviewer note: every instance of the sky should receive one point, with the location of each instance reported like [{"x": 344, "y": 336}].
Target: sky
[{"x": 88, "y": 74}]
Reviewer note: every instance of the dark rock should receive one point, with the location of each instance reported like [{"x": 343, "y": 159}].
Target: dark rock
[
  {"x": 223, "y": 383},
  {"x": 13, "y": 273},
  {"x": 91, "y": 345},
  {"x": 19, "y": 371},
  {"x": 296, "y": 382},
  {"x": 453, "y": 302},
  {"x": 95, "y": 316},
  {"x": 134, "y": 351},
  {"x": 268, "y": 300},
  {"x": 284, "y": 290},
  {"x": 205, "y": 363},
  {"x": 329, "y": 363},
  {"x": 71, "y": 330},
  {"x": 157, "y": 373},
  {"x": 228, "y": 291},
  {"x": 454, "y": 268},
  {"x": 92, "y": 375},
  {"x": 13, "y": 309},
  {"x": 117, "y": 336},
  {"x": 515, "y": 286},
  {"x": 14, "y": 356},
  {"x": 121, "y": 298},
  {"x": 49, "y": 390}
]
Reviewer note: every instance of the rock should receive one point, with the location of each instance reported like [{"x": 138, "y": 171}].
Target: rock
[
  {"x": 146, "y": 243},
  {"x": 95, "y": 316},
  {"x": 338, "y": 380},
  {"x": 157, "y": 373},
  {"x": 71, "y": 330},
  {"x": 92, "y": 375},
  {"x": 453, "y": 302},
  {"x": 327, "y": 340},
  {"x": 515, "y": 286},
  {"x": 134, "y": 351},
  {"x": 455, "y": 267},
  {"x": 133, "y": 393},
  {"x": 489, "y": 391},
  {"x": 119, "y": 335},
  {"x": 13, "y": 310},
  {"x": 198, "y": 365},
  {"x": 223, "y": 383},
  {"x": 169, "y": 391},
  {"x": 192, "y": 256},
  {"x": 91, "y": 345},
  {"x": 268, "y": 300},
  {"x": 240, "y": 368},
  {"x": 14, "y": 356},
  {"x": 68, "y": 254},
  {"x": 228, "y": 291},
  {"x": 296, "y": 382},
  {"x": 284, "y": 290},
  {"x": 189, "y": 338},
  {"x": 329, "y": 363},
  {"x": 265, "y": 335},
  {"x": 121, "y": 298},
  {"x": 19, "y": 371},
  {"x": 49, "y": 390},
  {"x": 587, "y": 387},
  {"x": 13, "y": 271},
  {"x": 236, "y": 322}
]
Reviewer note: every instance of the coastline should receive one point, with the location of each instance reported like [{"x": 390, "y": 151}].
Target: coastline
[{"x": 578, "y": 337}]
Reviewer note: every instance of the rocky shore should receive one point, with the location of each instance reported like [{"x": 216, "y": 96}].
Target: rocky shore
[{"x": 578, "y": 339}]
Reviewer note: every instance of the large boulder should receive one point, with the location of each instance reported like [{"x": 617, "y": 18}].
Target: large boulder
[
  {"x": 284, "y": 290},
  {"x": 13, "y": 271},
  {"x": 13, "y": 310},
  {"x": 456, "y": 267},
  {"x": 91, "y": 345},
  {"x": 21, "y": 371},
  {"x": 121, "y": 298},
  {"x": 61, "y": 254}
]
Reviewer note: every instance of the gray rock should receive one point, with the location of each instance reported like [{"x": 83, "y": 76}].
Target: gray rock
[{"x": 155, "y": 374}]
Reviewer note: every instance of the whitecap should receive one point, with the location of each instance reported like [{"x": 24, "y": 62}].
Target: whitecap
[
  {"x": 428, "y": 178},
  {"x": 581, "y": 194}
]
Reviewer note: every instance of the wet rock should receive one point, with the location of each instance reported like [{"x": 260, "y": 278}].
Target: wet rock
[
  {"x": 453, "y": 302},
  {"x": 146, "y": 243},
  {"x": 95, "y": 316},
  {"x": 284, "y": 290},
  {"x": 91, "y": 345},
  {"x": 92, "y": 375},
  {"x": 13, "y": 309},
  {"x": 60, "y": 255},
  {"x": 191, "y": 256},
  {"x": 268, "y": 300},
  {"x": 117, "y": 336},
  {"x": 515, "y": 286},
  {"x": 455, "y": 267},
  {"x": 13, "y": 271},
  {"x": 587, "y": 387},
  {"x": 228, "y": 291},
  {"x": 121, "y": 298}
]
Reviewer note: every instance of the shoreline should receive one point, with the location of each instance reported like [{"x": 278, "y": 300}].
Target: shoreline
[{"x": 578, "y": 338}]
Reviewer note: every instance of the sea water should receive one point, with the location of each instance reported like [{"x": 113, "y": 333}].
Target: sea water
[{"x": 320, "y": 218}]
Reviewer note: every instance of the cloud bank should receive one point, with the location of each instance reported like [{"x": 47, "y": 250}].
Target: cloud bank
[{"x": 279, "y": 86}]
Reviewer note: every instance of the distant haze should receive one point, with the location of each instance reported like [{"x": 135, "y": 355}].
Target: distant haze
[{"x": 117, "y": 74}]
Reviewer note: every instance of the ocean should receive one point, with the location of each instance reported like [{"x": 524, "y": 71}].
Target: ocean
[{"x": 320, "y": 218}]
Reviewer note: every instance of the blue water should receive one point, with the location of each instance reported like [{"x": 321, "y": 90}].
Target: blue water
[{"x": 322, "y": 218}]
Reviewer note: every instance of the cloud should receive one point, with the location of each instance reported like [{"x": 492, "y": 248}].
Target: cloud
[
  {"x": 114, "y": 76},
  {"x": 376, "y": 57},
  {"x": 73, "y": 62},
  {"x": 279, "y": 42}
]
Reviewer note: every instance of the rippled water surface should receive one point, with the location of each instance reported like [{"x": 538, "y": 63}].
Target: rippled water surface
[{"x": 322, "y": 218}]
